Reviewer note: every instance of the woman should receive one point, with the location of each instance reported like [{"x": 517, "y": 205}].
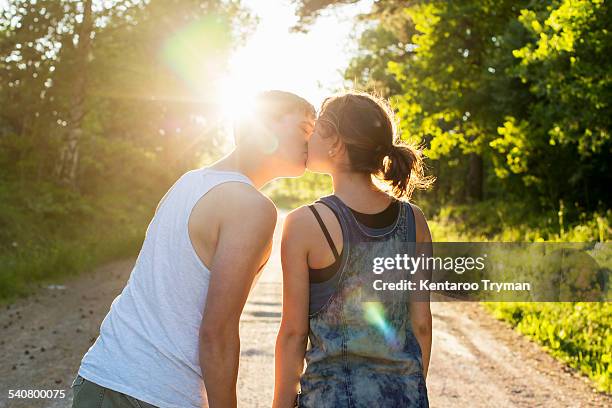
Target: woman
[{"x": 362, "y": 352}]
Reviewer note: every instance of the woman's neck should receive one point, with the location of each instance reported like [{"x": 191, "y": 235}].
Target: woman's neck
[{"x": 359, "y": 192}]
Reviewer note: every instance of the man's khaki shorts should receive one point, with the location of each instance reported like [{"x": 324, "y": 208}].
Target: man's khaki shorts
[{"x": 87, "y": 394}]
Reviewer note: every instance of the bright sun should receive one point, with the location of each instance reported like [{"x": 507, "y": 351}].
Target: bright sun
[
  {"x": 308, "y": 64},
  {"x": 235, "y": 99}
]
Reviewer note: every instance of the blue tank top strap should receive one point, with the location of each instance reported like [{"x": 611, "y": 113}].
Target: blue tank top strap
[
  {"x": 347, "y": 220},
  {"x": 336, "y": 205},
  {"x": 322, "y": 292},
  {"x": 410, "y": 222},
  {"x": 325, "y": 231}
]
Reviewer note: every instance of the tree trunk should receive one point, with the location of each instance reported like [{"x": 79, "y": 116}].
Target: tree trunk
[
  {"x": 69, "y": 154},
  {"x": 475, "y": 177}
]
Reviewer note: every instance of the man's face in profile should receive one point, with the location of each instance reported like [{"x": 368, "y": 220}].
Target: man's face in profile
[{"x": 292, "y": 131}]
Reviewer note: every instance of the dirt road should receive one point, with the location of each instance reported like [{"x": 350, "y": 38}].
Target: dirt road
[{"x": 477, "y": 361}]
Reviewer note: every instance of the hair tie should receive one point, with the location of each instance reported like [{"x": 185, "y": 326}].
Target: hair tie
[{"x": 385, "y": 150}]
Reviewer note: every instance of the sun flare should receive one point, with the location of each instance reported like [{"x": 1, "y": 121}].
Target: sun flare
[
  {"x": 307, "y": 64},
  {"x": 235, "y": 100}
]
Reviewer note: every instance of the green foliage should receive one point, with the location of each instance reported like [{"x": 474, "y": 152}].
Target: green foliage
[
  {"x": 290, "y": 193},
  {"x": 511, "y": 99},
  {"x": 28, "y": 264},
  {"x": 497, "y": 221},
  {"x": 563, "y": 63},
  {"x": 525, "y": 86},
  {"x": 579, "y": 334}
]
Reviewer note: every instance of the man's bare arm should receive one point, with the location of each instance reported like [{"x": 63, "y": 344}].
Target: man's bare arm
[{"x": 245, "y": 235}]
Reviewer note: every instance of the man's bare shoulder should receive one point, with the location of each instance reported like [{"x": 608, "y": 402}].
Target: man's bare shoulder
[{"x": 237, "y": 200}]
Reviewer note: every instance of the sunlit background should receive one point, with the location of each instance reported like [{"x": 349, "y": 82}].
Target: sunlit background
[
  {"x": 104, "y": 104},
  {"x": 310, "y": 64}
]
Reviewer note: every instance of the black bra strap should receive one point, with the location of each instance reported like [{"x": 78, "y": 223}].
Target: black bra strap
[{"x": 325, "y": 231}]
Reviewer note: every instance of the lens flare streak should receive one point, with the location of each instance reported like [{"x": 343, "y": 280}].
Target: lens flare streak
[{"x": 374, "y": 314}]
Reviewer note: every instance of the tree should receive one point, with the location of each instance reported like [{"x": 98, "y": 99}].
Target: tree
[
  {"x": 512, "y": 95},
  {"x": 81, "y": 50}
]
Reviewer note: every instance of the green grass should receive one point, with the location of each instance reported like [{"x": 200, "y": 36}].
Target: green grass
[
  {"x": 579, "y": 334},
  {"x": 508, "y": 221},
  {"x": 48, "y": 234},
  {"x": 290, "y": 193},
  {"x": 25, "y": 268}
]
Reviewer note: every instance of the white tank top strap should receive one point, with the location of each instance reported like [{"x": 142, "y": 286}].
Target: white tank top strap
[{"x": 226, "y": 175}]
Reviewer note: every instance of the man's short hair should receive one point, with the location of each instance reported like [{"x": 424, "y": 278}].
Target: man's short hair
[{"x": 272, "y": 105}]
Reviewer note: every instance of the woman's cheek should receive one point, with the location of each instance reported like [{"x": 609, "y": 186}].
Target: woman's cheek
[
  {"x": 313, "y": 149},
  {"x": 315, "y": 157}
]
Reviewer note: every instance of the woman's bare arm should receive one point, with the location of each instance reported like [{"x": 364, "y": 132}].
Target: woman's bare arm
[{"x": 293, "y": 334}]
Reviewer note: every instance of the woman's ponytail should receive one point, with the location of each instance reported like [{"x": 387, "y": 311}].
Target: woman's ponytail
[{"x": 403, "y": 170}]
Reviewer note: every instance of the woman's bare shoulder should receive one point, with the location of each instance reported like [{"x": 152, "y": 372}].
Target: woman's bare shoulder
[{"x": 302, "y": 224}]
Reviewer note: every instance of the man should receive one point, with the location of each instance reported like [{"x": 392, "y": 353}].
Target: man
[{"x": 171, "y": 337}]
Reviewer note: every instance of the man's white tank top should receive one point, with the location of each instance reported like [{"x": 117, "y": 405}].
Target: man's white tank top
[{"x": 148, "y": 342}]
